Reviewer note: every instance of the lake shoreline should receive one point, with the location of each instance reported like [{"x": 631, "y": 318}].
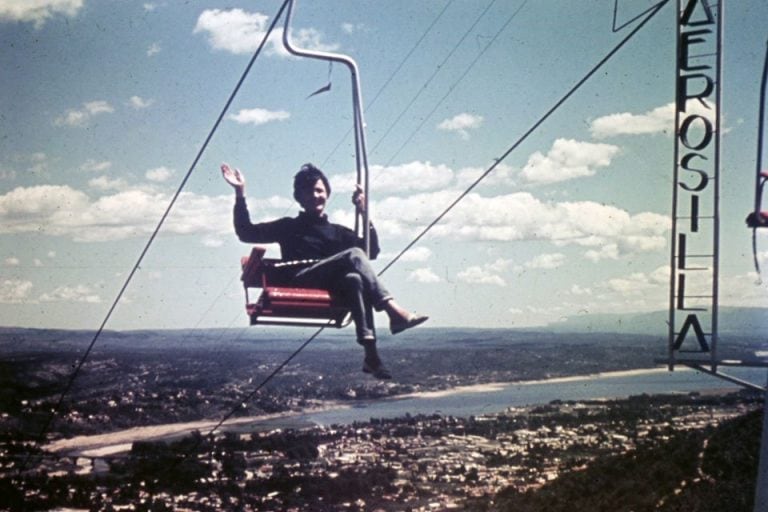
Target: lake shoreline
[{"x": 119, "y": 442}]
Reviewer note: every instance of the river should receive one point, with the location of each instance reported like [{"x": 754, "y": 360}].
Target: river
[
  {"x": 493, "y": 398},
  {"x": 462, "y": 402}
]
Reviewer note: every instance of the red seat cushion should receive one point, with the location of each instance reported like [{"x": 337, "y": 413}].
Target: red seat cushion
[{"x": 275, "y": 293}]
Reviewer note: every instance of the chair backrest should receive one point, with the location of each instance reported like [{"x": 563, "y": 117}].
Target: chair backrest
[{"x": 253, "y": 268}]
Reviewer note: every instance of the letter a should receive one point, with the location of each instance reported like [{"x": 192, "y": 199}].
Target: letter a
[
  {"x": 692, "y": 321},
  {"x": 688, "y": 13}
]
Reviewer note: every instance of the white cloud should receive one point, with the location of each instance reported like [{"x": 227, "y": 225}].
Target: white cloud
[
  {"x": 606, "y": 252},
  {"x": 78, "y": 293},
  {"x": 30, "y": 163},
  {"x": 149, "y": 7},
  {"x": 259, "y": 116},
  {"x": 485, "y": 274},
  {"x": 159, "y": 174},
  {"x": 500, "y": 265},
  {"x": 461, "y": 124},
  {"x": 638, "y": 291},
  {"x": 22, "y": 205},
  {"x": 658, "y": 120},
  {"x": 477, "y": 275},
  {"x": 235, "y": 30},
  {"x": 423, "y": 176},
  {"x": 747, "y": 290},
  {"x": 423, "y": 275},
  {"x": 417, "y": 254},
  {"x": 521, "y": 216},
  {"x": 37, "y": 11},
  {"x": 567, "y": 159},
  {"x": 351, "y": 28},
  {"x": 401, "y": 179},
  {"x": 7, "y": 174},
  {"x": 14, "y": 291},
  {"x": 92, "y": 165},
  {"x": 546, "y": 261},
  {"x": 139, "y": 103},
  {"x": 98, "y": 107},
  {"x": 639, "y": 283},
  {"x": 107, "y": 183},
  {"x": 153, "y": 49},
  {"x": 12, "y": 261},
  {"x": 241, "y": 32},
  {"x": 308, "y": 39},
  {"x": 212, "y": 242},
  {"x": 579, "y": 291},
  {"x": 64, "y": 211},
  {"x": 81, "y": 117},
  {"x": 502, "y": 175}
]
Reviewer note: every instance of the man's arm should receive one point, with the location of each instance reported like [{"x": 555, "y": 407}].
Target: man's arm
[{"x": 262, "y": 233}]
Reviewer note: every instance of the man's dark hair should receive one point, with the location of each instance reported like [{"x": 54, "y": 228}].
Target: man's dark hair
[{"x": 306, "y": 179}]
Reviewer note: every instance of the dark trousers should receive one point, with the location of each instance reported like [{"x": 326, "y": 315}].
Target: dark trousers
[{"x": 349, "y": 276}]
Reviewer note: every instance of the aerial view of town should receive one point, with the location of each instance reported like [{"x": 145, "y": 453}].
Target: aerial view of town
[{"x": 140, "y": 428}]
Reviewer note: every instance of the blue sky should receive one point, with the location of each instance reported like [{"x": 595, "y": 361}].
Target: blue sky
[{"x": 104, "y": 106}]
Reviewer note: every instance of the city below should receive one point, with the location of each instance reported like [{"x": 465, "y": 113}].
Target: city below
[{"x": 137, "y": 388}]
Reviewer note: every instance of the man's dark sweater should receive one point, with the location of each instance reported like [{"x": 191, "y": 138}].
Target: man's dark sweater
[{"x": 301, "y": 238}]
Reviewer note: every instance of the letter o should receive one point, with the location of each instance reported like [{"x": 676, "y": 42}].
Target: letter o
[{"x": 686, "y": 125}]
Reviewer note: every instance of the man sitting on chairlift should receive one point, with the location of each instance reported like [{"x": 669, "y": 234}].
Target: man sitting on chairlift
[{"x": 341, "y": 265}]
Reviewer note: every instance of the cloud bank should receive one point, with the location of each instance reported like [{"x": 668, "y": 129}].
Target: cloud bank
[{"x": 37, "y": 12}]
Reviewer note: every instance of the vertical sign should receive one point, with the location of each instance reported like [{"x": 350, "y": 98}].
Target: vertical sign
[{"x": 695, "y": 197}]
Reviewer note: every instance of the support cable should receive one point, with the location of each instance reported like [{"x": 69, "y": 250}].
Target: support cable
[
  {"x": 535, "y": 126},
  {"x": 56, "y": 409},
  {"x": 453, "y": 86},
  {"x": 391, "y": 76},
  {"x": 266, "y": 380},
  {"x": 429, "y": 80},
  {"x": 614, "y": 28}
]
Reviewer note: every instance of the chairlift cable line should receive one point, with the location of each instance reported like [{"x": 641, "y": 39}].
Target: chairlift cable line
[
  {"x": 614, "y": 28},
  {"x": 392, "y": 75},
  {"x": 78, "y": 367},
  {"x": 432, "y": 77},
  {"x": 266, "y": 380},
  {"x": 525, "y": 135},
  {"x": 452, "y": 87},
  {"x": 456, "y": 83}
]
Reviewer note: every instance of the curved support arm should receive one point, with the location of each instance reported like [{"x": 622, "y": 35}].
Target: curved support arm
[
  {"x": 360, "y": 147},
  {"x": 761, "y": 175}
]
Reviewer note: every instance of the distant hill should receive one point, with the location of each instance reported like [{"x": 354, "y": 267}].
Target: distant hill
[
  {"x": 749, "y": 323},
  {"x": 732, "y": 322}
]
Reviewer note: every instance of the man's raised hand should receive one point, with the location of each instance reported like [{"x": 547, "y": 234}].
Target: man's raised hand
[{"x": 234, "y": 177}]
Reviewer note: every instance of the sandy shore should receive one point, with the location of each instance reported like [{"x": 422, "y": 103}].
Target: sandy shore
[
  {"x": 113, "y": 443},
  {"x": 495, "y": 386}
]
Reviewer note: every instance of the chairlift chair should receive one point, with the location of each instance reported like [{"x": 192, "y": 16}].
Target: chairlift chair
[
  {"x": 279, "y": 303},
  {"x": 757, "y": 218}
]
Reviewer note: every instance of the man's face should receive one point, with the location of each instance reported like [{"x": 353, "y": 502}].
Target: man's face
[{"x": 313, "y": 199}]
